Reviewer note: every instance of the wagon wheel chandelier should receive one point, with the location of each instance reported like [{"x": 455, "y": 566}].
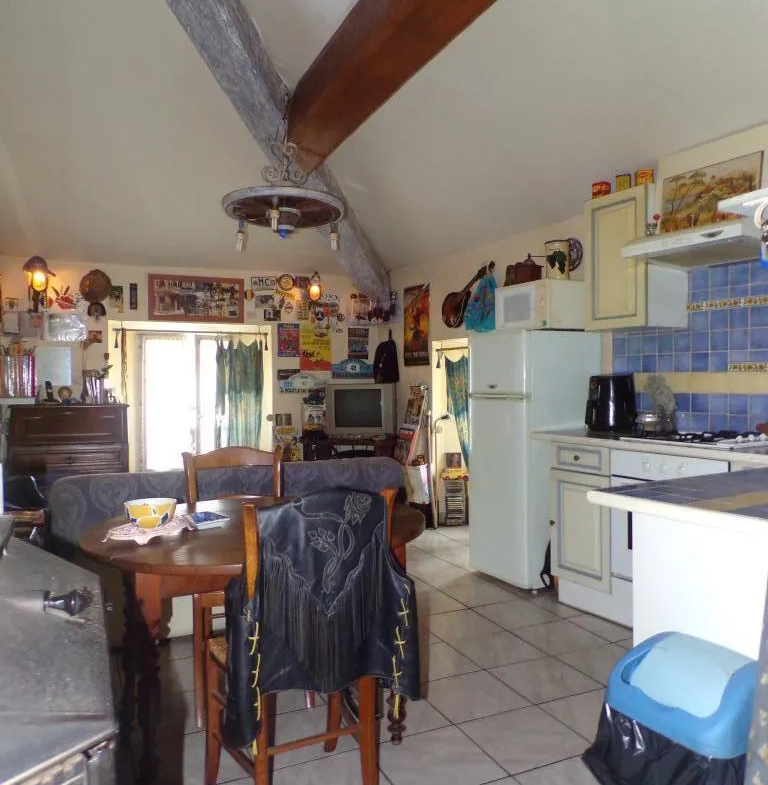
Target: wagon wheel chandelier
[{"x": 284, "y": 205}]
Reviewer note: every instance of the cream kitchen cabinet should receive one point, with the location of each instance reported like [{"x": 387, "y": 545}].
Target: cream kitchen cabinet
[
  {"x": 627, "y": 292},
  {"x": 580, "y": 532}
]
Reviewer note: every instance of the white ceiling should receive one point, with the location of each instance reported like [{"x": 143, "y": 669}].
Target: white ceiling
[{"x": 116, "y": 143}]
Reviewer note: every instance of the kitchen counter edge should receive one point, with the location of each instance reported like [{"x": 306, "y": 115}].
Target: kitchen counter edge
[{"x": 756, "y": 459}]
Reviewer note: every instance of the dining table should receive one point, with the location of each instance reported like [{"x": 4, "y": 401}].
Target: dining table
[{"x": 191, "y": 562}]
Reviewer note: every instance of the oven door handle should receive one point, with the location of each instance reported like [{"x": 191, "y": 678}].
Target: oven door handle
[{"x": 629, "y": 531}]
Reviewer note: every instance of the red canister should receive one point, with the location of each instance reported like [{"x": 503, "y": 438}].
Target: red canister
[{"x": 601, "y": 188}]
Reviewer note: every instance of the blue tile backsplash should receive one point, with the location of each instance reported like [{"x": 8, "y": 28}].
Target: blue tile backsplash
[{"x": 714, "y": 338}]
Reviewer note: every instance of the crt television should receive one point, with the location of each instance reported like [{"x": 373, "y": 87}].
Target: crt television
[{"x": 360, "y": 409}]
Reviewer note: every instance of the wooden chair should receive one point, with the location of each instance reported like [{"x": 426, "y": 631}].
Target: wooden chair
[
  {"x": 364, "y": 727},
  {"x": 203, "y": 604}
]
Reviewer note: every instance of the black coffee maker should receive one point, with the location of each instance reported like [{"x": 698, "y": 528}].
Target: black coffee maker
[{"x": 611, "y": 403}]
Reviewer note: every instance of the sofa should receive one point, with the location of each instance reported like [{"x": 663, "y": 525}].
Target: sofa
[{"x": 78, "y": 502}]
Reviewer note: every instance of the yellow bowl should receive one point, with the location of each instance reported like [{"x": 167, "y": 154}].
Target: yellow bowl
[{"x": 150, "y": 513}]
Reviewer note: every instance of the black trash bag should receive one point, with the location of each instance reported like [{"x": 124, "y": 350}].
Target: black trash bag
[{"x": 627, "y": 753}]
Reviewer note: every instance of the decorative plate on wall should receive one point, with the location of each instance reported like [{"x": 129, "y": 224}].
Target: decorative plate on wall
[
  {"x": 95, "y": 286},
  {"x": 286, "y": 282}
]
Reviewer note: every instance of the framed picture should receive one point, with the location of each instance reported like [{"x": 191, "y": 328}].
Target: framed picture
[
  {"x": 690, "y": 199},
  {"x": 453, "y": 460},
  {"x": 196, "y": 298}
]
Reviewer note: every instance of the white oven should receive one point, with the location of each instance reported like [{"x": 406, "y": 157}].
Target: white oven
[
  {"x": 548, "y": 304},
  {"x": 630, "y": 468}
]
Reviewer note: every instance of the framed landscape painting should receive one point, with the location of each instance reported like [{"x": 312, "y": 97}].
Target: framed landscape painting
[
  {"x": 195, "y": 298},
  {"x": 690, "y": 199}
]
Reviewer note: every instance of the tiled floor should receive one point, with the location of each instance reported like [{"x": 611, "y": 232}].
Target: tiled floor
[{"x": 514, "y": 687}]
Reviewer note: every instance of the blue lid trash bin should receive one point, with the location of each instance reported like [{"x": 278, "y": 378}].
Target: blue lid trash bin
[{"x": 677, "y": 710}]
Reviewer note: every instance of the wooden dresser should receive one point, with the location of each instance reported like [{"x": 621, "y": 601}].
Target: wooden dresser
[{"x": 50, "y": 441}]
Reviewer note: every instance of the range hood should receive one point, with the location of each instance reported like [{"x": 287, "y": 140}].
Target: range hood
[{"x": 720, "y": 243}]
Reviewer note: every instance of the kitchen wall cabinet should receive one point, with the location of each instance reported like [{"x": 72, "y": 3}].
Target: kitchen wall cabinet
[
  {"x": 581, "y": 531},
  {"x": 627, "y": 292}
]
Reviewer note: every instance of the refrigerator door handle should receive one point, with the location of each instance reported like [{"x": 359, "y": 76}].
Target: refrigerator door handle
[{"x": 500, "y": 396}]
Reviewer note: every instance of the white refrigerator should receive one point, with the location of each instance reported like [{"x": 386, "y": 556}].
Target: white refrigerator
[{"x": 519, "y": 381}]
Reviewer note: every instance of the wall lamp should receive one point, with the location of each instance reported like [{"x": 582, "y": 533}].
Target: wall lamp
[{"x": 38, "y": 277}]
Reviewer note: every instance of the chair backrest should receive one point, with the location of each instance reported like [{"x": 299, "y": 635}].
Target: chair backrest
[{"x": 231, "y": 458}]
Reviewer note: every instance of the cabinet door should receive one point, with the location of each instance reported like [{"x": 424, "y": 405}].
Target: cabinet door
[
  {"x": 616, "y": 287},
  {"x": 581, "y": 535}
]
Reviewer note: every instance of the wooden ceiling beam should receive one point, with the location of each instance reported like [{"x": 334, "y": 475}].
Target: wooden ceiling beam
[
  {"x": 378, "y": 47},
  {"x": 231, "y": 46}
]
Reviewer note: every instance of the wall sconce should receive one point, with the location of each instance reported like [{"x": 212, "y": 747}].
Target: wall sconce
[
  {"x": 315, "y": 287},
  {"x": 38, "y": 277}
]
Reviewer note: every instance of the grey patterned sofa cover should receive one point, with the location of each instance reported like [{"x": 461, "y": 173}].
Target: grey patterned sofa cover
[{"x": 79, "y": 502}]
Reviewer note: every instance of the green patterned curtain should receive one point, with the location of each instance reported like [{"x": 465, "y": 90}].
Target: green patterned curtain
[
  {"x": 239, "y": 387},
  {"x": 457, "y": 375}
]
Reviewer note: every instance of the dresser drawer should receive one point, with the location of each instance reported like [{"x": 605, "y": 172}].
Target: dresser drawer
[
  {"x": 32, "y": 425},
  {"x": 583, "y": 458},
  {"x": 71, "y": 460}
]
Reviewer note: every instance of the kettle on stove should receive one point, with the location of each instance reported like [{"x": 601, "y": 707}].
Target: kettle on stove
[{"x": 611, "y": 403}]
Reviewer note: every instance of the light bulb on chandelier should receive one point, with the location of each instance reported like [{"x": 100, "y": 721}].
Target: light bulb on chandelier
[{"x": 241, "y": 237}]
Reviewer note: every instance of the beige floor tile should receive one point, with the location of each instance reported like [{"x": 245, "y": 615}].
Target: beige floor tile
[
  {"x": 515, "y": 613},
  {"x": 597, "y": 661},
  {"x": 187, "y": 766},
  {"x": 522, "y": 739},
  {"x": 567, "y": 772},
  {"x": 579, "y": 712},
  {"x": 446, "y": 661},
  {"x": 438, "y": 574},
  {"x": 458, "y": 533},
  {"x": 605, "y": 629},
  {"x": 460, "y": 624},
  {"x": 496, "y": 649},
  {"x": 420, "y": 716},
  {"x": 435, "y": 601},
  {"x": 549, "y": 602},
  {"x": 473, "y": 590},
  {"x": 625, "y": 644},
  {"x": 545, "y": 680},
  {"x": 343, "y": 769},
  {"x": 558, "y": 637},
  {"x": 443, "y": 756},
  {"x": 176, "y": 648},
  {"x": 473, "y": 695},
  {"x": 455, "y": 553}
]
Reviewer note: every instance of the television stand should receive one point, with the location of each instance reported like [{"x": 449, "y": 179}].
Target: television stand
[{"x": 319, "y": 446}]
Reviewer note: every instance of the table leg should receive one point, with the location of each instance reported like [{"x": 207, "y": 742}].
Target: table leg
[
  {"x": 396, "y": 727},
  {"x": 148, "y": 600},
  {"x": 128, "y": 704}
]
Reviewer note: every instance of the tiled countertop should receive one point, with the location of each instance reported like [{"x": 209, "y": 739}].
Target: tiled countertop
[
  {"x": 738, "y": 500},
  {"x": 757, "y": 456}
]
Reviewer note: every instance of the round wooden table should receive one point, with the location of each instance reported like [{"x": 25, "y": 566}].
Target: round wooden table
[{"x": 193, "y": 562}]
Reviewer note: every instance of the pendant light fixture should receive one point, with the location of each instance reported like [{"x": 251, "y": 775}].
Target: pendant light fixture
[
  {"x": 284, "y": 205},
  {"x": 37, "y": 276}
]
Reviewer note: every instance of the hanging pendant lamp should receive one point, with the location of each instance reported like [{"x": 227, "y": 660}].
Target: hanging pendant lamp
[{"x": 284, "y": 205}]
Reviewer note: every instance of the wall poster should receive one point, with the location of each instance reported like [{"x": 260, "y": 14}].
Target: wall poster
[
  {"x": 196, "y": 298},
  {"x": 364, "y": 310},
  {"x": 288, "y": 339},
  {"x": 352, "y": 369},
  {"x": 315, "y": 342},
  {"x": 357, "y": 343},
  {"x": 286, "y": 435},
  {"x": 416, "y": 325}
]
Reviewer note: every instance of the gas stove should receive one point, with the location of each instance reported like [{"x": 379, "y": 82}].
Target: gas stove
[{"x": 715, "y": 440}]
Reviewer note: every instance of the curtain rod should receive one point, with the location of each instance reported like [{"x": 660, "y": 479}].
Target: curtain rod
[
  {"x": 216, "y": 334},
  {"x": 453, "y": 349}
]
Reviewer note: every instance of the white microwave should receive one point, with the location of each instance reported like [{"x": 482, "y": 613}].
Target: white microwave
[{"x": 548, "y": 304}]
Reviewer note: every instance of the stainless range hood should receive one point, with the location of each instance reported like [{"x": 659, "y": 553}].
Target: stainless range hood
[{"x": 720, "y": 243}]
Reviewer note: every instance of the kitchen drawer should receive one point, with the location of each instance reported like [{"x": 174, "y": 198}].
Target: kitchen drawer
[
  {"x": 30, "y": 425},
  {"x": 69, "y": 459},
  {"x": 583, "y": 458}
]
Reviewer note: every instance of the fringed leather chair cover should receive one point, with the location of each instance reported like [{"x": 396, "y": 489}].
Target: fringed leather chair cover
[{"x": 331, "y": 606}]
